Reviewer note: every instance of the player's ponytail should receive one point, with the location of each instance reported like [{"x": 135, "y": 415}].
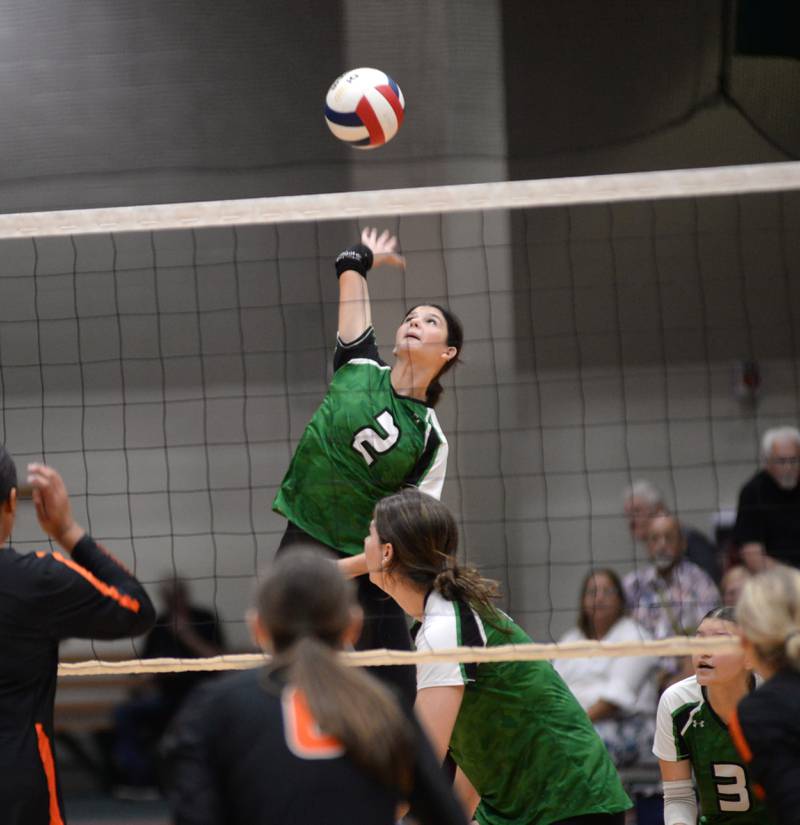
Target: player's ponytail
[
  {"x": 424, "y": 538},
  {"x": 306, "y": 606},
  {"x": 768, "y": 612}
]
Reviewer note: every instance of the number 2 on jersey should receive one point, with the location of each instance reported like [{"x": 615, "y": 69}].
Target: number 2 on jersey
[{"x": 369, "y": 443}]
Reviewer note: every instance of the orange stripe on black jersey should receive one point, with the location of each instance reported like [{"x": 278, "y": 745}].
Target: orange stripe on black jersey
[
  {"x": 737, "y": 735},
  {"x": 122, "y": 599},
  {"x": 46, "y": 755}
]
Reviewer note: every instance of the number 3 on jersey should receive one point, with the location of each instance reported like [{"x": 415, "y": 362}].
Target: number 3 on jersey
[
  {"x": 369, "y": 442},
  {"x": 732, "y": 793}
]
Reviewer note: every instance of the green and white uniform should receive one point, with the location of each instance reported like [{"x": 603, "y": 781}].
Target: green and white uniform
[
  {"x": 688, "y": 728},
  {"x": 364, "y": 442},
  {"x": 520, "y": 737}
]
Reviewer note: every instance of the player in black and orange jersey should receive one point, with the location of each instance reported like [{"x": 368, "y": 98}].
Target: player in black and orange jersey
[
  {"x": 305, "y": 740},
  {"x": 46, "y": 597},
  {"x": 766, "y": 726}
]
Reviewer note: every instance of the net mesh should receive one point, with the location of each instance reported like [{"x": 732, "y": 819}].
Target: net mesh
[{"x": 166, "y": 360}]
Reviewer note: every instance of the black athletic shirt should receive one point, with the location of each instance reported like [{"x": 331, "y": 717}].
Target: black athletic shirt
[
  {"x": 766, "y": 731},
  {"x": 771, "y": 516},
  {"x": 44, "y": 598},
  {"x": 239, "y": 753}
]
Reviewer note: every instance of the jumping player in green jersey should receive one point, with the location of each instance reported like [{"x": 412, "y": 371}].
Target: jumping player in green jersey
[
  {"x": 374, "y": 433},
  {"x": 692, "y": 736},
  {"x": 526, "y": 752}
]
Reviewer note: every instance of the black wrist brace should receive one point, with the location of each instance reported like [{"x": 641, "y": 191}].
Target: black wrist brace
[{"x": 357, "y": 258}]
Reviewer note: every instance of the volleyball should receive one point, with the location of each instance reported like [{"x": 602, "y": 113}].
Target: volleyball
[{"x": 364, "y": 107}]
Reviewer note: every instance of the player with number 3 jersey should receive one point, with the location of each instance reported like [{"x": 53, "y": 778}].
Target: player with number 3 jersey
[
  {"x": 692, "y": 736},
  {"x": 374, "y": 433}
]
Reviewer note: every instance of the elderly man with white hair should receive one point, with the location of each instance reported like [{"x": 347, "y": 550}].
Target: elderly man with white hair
[{"x": 768, "y": 515}]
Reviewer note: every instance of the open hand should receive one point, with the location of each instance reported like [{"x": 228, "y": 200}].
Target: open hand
[{"x": 383, "y": 246}]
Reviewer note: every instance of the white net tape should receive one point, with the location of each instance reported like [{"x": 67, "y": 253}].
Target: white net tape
[
  {"x": 635, "y": 186},
  {"x": 674, "y": 646}
]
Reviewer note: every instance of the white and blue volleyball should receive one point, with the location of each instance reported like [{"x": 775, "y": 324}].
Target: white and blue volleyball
[{"x": 364, "y": 107}]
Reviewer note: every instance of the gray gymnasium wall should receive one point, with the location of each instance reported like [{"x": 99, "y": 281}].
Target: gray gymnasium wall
[{"x": 599, "y": 342}]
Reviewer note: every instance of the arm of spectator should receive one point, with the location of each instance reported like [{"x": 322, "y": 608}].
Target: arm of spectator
[
  {"x": 602, "y": 709},
  {"x": 624, "y": 681}
]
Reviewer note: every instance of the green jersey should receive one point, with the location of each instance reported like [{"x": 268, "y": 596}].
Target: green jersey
[
  {"x": 364, "y": 442},
  {"x": 688, "y": 728},
  {"x": 521, "y": 737}
]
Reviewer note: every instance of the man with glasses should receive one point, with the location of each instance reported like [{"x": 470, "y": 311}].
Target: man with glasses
[{"x": 768, "y": 515}]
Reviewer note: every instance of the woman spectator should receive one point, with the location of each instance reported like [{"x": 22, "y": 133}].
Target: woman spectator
[{"x": 618, "y": 693}]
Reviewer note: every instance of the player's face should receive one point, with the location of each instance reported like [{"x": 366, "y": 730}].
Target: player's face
[
  {"x": 374, "y": 554},
  {"x": 423, "y": 333},
  {"x": 718, "y": 668}
]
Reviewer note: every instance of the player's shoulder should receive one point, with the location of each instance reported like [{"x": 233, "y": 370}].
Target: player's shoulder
[
  {"x": 681, "y": 694},
  {"x": 228, "y": 700},
  {"x": 775, "y": 701},
  {"x": 439, "y": 625},
  {"x": 37, "y": 570},
  {"x": 361, "y": 352}
]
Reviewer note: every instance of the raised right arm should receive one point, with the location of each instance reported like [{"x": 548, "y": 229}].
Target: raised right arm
[
  {"x": 354, "y": 310},
  {"x": 352, "y": 265}
]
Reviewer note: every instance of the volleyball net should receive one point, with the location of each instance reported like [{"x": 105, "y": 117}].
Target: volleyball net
[{"x": 165, "y": 359}]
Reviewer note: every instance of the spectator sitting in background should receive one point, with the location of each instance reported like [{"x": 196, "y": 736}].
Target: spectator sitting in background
[
  {"x": 642, "y": 500},
  {"x": 670, "y": 596},
  {"x": 768, "y": 515},
  {"x": 732, "y": 584},
  {"x": 618, "y": 693},
  {"x": 182, "y": 631}
]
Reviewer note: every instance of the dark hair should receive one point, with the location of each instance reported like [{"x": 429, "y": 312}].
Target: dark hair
[
  {"x": 455, "y": 338},
  {"x": 305, "y": 604},
  {"x": 726, "y": 614},
  {"x": 424, "y": 537},
  {"x": 584, "y": 622},
  {"x": 8, "y": 475}
]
